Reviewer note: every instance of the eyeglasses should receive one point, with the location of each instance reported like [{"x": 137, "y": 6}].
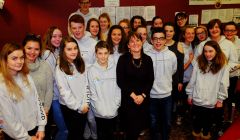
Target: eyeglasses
[
  {"x": 230, "y": 31},
  {"x": 202, "y": 33},
  {"x": 156, "y": 39}
]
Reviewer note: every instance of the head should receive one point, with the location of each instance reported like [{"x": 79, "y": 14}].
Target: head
[
  {"x": 52, "y": 38},
  {"x": 157, "y": 22},
  {"x": 84, "y": 6},
  {"x": 169, "y": 30},
  {"x": 214, "y": 27},
  {"x": 181, "y": 19},
  {"x": 135, "y": 43},
  {"x": 142, "y": 30},
  {"x": 212, "y": 54},
  {"x": 230, "y": 30},
  {"x": 201, "y": 33},
  {"x": 125, "y": 24},
  {"x": 105, "y": 21},
  {"x": 77, "y": 26},
  {"x": 102, "y": 53},
  {"x": 32, "y": 47},
  {"x": 12, "y": 63},
  {"x": 158, "y": 39},
  {"x": 70, "y": 54},
  {"x": 137, "y": 21},
  {"x": 93, "y": 26},
  {"x": 116, "y": 37},
  {"x": 188, "y": 34}
]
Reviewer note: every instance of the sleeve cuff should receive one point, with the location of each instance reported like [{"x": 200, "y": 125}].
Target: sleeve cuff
[{"x": 41, "y": 128}]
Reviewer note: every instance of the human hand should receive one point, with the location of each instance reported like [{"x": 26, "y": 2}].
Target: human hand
[
  {"x": 180, "y": 86},
  {"x": 85, "y": 108},
  {"x": 219, "y": 104},
  {"x": 191, "y": 56},
  {"x": 40, "y": 135},
  {"x": 189, "y": 101},
  {"x": 139, "y": 99}
]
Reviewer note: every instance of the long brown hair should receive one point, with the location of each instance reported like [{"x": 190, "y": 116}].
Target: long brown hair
[
  {"x": 12, "y": 87},
  {"x": 218, "y": 61},
  {"x": 47, "y": 45},
  {"x": 64, "y": 64}
]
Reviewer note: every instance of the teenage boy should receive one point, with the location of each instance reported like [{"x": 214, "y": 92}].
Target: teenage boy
[{"x": 165, "y": 65}]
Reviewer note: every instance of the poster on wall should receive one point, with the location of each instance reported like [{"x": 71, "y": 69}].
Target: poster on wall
[
  {"x": 111, "y": 3},
  {"x": 211, "y": 2}
]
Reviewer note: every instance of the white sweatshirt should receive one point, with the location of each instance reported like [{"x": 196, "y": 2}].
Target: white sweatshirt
[
  {"x": 206, "y": 89},
  {"x": 74, "y": 90},
  {"x": 165, "y": 65},
  {"x": 24, "y": 115},
  {"x": 105, "y": 93}
]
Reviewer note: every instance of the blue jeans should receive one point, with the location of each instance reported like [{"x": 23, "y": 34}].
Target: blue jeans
[
  {"x": 160, "y": 113},
  {"x": 59, "y": 120}
]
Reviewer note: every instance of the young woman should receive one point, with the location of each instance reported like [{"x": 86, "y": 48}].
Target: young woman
[
  {"x": 51, "y": 44},
  {"x": 180, "y": 22},
  {"x": 177, "y": 48},
  {"x": 116, "y": 41},
  {"x": 137, "y": 21},
  {"x": 40, "y": 71},
  {"x": 207, "y": 88},
  {"x": 105, "y": 24},
  {"x": 125, "y": 24},
  {"x": 142, "y": 30},
  {"x": 93, "y": 26},
  {"x": 105, "y": 93},
  {"x": 135, "y": 78},
  {"x": 201, "y": 35},
  {"x": 73, "y": 86},
  {"x": 21, "y": 111}
]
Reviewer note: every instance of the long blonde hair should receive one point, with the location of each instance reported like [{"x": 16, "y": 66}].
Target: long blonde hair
[{"x": 14, "y": 90}]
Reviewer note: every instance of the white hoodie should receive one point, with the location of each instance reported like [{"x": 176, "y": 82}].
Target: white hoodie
[
  {"x": 105, "y": 93},
  {"x": 74, "y": 90},
  {"x": 206, "y": 89},
  {"x": 165, "y": 65},
  {"x": 24, "y": 115}
]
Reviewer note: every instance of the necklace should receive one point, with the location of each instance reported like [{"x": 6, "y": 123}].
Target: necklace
[{"x": 137, "y": 65}]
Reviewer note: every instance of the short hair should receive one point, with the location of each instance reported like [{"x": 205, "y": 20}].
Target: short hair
[
  {"x": 77, "y": 19},
  {"x": 158, "y": 30},
  {"x": 212, "y": 23},
  {"x": 230, "y": 23},
  {"x": 100, "y": 45}
]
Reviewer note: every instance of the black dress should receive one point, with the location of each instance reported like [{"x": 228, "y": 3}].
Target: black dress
[{"x": 138, "y": 78}]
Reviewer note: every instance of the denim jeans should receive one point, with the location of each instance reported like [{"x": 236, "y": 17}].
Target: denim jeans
[
  {"x": 160, "y": 113},
  {"x": 59, "y": 120}
]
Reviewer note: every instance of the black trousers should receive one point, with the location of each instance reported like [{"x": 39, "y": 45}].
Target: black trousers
[
  {"x": 75, "y": 123},
  {"x": 202, "y": 119},
  {"x": 105, "y": 128}
]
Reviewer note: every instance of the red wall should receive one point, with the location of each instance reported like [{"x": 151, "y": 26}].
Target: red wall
[{"x": 21, "y": 16}]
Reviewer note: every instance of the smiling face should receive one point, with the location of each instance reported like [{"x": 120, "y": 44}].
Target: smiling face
[
  {"x": 125, "y": 27},
  {"x": 135, "y": 44},
  {"x": 116, "y": 36},
  {"x": 201, "y": 34},
  {"x": 136, "y": 23},
  {"x": 70, "y": 51},
  {"x": 215, "y": 32},
  {"x": 158, "y": 23},
  {"x": 94, "y": 28},
  {"x": 56, "y": 38},
  {"x": 32, "y": 51},
  {"x": 77, "y": 29},
  {"x": 169, "y": 32},
  {"x": 158, "y": 40},
  {"x": 189, "y": 35},
  {"x": 15, "y": 61},
  {"x": 102, "y": 55},
  {"x": 104, "y": 23},
  {"x": 84, "y": 6},
  {"x": 230, "y": 31},
  {"x": 143, "y": 33},
  {"x": 209, "y": 52}
]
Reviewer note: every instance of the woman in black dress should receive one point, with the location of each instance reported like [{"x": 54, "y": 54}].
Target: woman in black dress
[{"x": 135, "y": 78}]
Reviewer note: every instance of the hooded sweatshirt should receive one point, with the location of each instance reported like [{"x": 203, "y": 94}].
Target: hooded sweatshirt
[
  {"x": 165, "y": 65},
  {"x": 105, "y": 93},
  {"x": 19, "y": 117}
]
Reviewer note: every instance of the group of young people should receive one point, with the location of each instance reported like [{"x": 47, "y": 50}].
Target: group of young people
[{"x": 103, "y": 78}]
